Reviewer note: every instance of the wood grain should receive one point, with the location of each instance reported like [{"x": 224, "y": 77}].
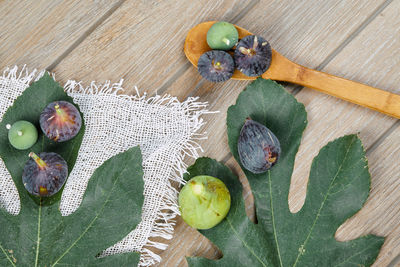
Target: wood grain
[
  {"x": 330, "y": 118},
  {"x": 282, "y": 69},
  {"x": 381, "y": 214},
  {"x": 221, "y": 96},
  {"x": 371, "y": 58},
  {"x": 142, "y": 42},
  {"x": 36, "y": 33}
]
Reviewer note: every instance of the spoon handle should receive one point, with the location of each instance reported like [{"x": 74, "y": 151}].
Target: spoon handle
[{"x": 357, "y": 93}]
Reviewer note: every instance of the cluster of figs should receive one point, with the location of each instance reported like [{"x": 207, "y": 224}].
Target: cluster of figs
[
  {"x": 45, "y": 173},
  {"x": 205, "y": 201},
  {"x": 258, "y": 147},
  {"x": 251, "y": 55}
]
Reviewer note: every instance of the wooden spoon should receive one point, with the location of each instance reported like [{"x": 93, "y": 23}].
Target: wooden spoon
[{"x": 282, "y": 69}]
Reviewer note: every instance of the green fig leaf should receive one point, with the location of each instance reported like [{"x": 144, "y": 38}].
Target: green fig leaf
[
  {"x": 339, "y": 185},
  {"x": 110, "y": 210},
  {"x": 28, "y": 107}
]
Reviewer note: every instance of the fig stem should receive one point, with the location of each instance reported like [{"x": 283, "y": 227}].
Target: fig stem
[
  {"x": 226, "y": 41},
  {"x": 38, "y": 160},
  {"x": 62, "y": 114},
  {"x": 43, "y": 191},
  {"x": 58, "y": 110}
]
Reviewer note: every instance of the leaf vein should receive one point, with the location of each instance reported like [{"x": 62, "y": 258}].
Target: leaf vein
[
  {"x": 244, "y": 243},
  {"x": 273, "y": 218},
  {"x": 93, "y": 221},
  {"x": 5, "y": 253},
  {"x": 322, "y": 204},
  {"x": 38, "y": 234},
  {"x": 356, "y": 254}
]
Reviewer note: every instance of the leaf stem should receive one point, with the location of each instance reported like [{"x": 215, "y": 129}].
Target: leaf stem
[
  {"x": 273, "y": 218},
  {"x": 38, "y": 234}
]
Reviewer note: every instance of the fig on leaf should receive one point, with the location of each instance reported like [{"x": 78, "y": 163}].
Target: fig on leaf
[
  {"x": 44, "y": 174},
  {"x": 204, "y": 202},
  {"x": 60, "y": 121},
  {"x": 22, "y": 134},
  {"x": 258, "y": 147}
]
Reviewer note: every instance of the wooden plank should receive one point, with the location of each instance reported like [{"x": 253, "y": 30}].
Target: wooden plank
[
  {"x": 109, "y": 45},
  {"x": 294, "y": 39},
  {"x": 378, "y": 44},
  {"x": 330, "y": 118},
  {"x": 143, "y": 42},
  {"x": 370, "y": 58},
  {"x": 196, "y": 245},
  {"x": 221, "y": 96},
  {"x": 38, "y": 32}
]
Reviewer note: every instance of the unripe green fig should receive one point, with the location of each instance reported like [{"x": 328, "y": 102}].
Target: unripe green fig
[
  {"x": 204, "y": 202},
  {"x": 22, "y": 134},
  {"x": 222, "y": 35}
]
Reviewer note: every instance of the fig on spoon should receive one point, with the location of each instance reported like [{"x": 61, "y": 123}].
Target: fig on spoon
[{"x": 282, "y": 69}]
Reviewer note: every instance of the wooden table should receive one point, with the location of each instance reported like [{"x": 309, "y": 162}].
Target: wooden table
[{"x": 142, "y": 42}]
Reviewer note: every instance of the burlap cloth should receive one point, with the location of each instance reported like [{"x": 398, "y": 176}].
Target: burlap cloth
[{"x": 165, "y": 129}]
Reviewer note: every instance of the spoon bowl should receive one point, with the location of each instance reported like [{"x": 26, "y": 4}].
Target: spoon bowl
[{"x": 282, "y": 69}]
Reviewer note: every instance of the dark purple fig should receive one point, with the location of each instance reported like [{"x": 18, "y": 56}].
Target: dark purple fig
[
  {"x": 253, "y": 55},
  {"x": 216, "y": 66},
  {"x": 44, "y": 174},
  {"x": 258, "y": 147},
  {"x": 60, "y": 121}
]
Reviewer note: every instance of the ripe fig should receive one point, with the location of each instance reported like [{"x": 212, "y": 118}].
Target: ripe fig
[
  {"x": 253, "y": 55},
  {"x": 44, "y": 174},
  {"x": 216, "y": 66},
  {"x": 60, "y": 121},
  {"x": 204, "y": 202},
  {"x": 258, "y": 147}
]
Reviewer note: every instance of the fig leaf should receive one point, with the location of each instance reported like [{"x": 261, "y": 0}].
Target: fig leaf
[
  {"x": 111, "y": 207},
  {"x": 339, "y": 185},
  {"x": 28, "y": 107}
]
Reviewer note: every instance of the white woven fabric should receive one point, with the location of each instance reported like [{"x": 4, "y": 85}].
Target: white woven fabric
[{"x": 165, "y": 129}]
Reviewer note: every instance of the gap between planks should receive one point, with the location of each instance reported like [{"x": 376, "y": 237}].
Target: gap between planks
[
  {"x": 90, "y": 30},
  {"x": 246, "y": 9},
  {"x": 188, "y": 65},
  {"x": 324, "y": 63},
  {"x": 240, "y": 15}
]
